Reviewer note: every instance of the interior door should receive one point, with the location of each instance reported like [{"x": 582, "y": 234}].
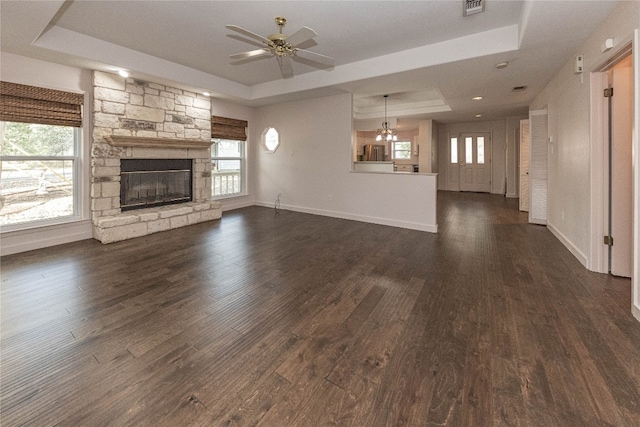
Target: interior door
[
  {"x": 524, "y": 166},
  {"x": 475, "y": 162},
  {"x": 621, "y": 193},
  {"x": 539, "y": 139}
]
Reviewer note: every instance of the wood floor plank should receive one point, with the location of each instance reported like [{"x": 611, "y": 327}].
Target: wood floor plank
[
  {"x": 333, "y": 406},
  {"x": 377, "y": 339},
  {"x": 292, "y": 319},
  {"x": 321, "y": 351}
]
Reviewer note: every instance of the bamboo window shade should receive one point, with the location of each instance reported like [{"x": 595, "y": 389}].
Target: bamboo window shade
[
  {"x": 32, "y": 104},
  {"x": 224, "y": 128}
]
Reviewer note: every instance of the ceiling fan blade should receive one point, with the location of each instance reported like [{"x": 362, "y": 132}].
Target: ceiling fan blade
[
  {"x": 250, "y": 54},
  {"x": 247, "y": 33},
  {"x": 286, "y": 68},
  {"x": 322, "y": 59},
  {"x": 301, "y": 36}
]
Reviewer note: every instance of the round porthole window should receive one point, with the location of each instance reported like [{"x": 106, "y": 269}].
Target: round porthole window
[{"x": 270, "y": 140}]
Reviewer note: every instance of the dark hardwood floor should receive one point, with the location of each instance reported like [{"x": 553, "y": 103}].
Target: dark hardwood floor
[{"x": 302, "y": 320}]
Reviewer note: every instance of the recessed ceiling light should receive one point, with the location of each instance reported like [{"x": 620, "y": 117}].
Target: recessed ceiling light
[
  {"x": 478, "y": 115},
  {"x": 206, "y": 93},
  {"x": 123, "y": 73},
  {"x": 477, "y": 98},
  {"x": 501, "y": 65}
]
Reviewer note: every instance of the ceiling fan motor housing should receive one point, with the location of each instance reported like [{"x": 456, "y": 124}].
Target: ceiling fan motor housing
[{"x": 279, "y": 47}]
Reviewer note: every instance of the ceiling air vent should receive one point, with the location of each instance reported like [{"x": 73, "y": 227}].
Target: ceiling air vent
[
  {"x": 519, "y": 89},
  {"x": 470, "y": 7}
]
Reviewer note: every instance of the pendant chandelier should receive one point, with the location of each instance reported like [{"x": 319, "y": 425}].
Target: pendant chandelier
[{"x": 386, "y": 133}]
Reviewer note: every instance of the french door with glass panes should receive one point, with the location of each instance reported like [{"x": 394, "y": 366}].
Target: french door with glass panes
[{"x": 475, "y": 162}]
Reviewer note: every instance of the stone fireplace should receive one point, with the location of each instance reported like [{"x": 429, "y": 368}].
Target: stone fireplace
[{"x": 153, "y": 125}]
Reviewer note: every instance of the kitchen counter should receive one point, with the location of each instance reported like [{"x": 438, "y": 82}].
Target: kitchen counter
[{"x": 373, "y": 167}]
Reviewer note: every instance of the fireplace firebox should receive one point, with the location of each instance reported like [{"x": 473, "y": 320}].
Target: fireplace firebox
[{"x": 146, "y": 183}]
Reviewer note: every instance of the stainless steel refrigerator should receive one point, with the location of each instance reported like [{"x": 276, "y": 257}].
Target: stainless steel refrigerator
[{"x": 373, "y": 153}]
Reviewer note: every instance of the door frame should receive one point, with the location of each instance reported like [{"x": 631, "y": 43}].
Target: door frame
[
  {"x": 598, "y": 255},
  {"x": 488, "y": 148}
]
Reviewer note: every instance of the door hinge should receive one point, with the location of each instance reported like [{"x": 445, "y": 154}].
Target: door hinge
[
  {"x": 608, "y": 92},
  {"x": 608, "y": 240}
]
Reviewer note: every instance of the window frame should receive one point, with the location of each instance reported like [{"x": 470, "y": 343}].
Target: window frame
[
  {"x": 243, "y": 170},
  {"x": 454, "y": 143},
  {"x": 263, "y": 140},
  {"x": 393, "y": 150},
  {"x": 77, "y": 177}
]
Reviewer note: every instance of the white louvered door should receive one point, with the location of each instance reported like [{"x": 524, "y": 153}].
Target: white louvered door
[
  {"x": 524, "y": 166},
  {"x": 538, "y": 167}
]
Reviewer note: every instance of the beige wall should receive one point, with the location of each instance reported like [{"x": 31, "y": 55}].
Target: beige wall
[
  {"x": 567, "y": 99},
  {"x": 313, "y": 173},
  {"x": 572, "y": 214}
]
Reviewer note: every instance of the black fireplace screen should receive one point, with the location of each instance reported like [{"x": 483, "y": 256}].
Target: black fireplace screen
[{"x": 146, "y": 183}]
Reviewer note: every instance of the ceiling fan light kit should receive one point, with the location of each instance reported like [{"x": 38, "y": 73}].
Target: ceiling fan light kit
[{"x": 283, "y": 47}]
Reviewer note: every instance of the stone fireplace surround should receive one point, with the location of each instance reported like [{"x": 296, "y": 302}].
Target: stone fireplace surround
[{"x": 136, "y": 119}]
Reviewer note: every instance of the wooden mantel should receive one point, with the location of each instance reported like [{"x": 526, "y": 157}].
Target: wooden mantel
[{"x": 141, "y": 141}]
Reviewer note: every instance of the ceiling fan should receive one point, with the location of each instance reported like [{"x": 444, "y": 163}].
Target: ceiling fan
[{"x": 283, "y": 47}]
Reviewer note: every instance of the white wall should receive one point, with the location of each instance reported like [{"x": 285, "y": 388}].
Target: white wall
[
  {"x": 497, "y": 128},
  {"x": 312, "y": 169},
  {"x": 19, "y": 69},
  {"x": 567, "y": 98},
  {"x": 232, "y": 110}
]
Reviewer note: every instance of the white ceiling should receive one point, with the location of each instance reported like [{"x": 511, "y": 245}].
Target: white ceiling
[{"x": 428, "y": 57}]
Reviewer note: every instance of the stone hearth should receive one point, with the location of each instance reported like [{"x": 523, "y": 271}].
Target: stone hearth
[
  {"x": 113, "y": 228},
  {"x": 138, "y": 120}
]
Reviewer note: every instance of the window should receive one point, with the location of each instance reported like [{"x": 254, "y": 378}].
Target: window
[
  {"x": 38, "y": 172},
  {"x": 401, "y": 150},
  {"x": 468, "y": 145},
  {"x": 270, "y": 140},
  {"x": 227, "y": 156},
  {"x": 39, "y": 155},
  {"x": 480, "y": 148},
  {"x": 454, "y": 149},
  {"x": 227, "y": 163}
]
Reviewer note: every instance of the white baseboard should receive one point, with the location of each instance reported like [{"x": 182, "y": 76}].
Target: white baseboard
[
  {"x": 635, "y": 310},
  {"x": 231, "y": 204},
  {"x": 569, "y": 245},
  {"x": 31, "y": 239},
  {"x": 27, "y": 240},
  {"x": 430, "y": 228}
]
